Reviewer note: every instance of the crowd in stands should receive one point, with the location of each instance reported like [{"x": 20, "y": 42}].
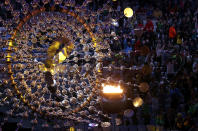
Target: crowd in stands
[{"x": 164, "y": 36}]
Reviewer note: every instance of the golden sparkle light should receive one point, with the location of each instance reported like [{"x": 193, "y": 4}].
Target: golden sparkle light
[
  {"x": 128, "y": 12},
  {"x": 10, "y": 43},
  {"x": 111, "y": 89},
  {"x": 137, "y": 102},
  {"x": 61, "y": 57}
]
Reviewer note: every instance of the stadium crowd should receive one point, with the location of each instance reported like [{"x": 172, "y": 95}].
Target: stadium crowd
[{"x": 162, "y": 35}]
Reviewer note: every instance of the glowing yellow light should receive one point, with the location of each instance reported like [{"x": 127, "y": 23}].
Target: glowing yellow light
[
  {"x": 53, "y": 48},
  {"x": 111, "y": 89},
  {"x": 8, "y": 59},
  {"x": 95, "y": 44},
  {"x": 42, "y": 68},
  {"x": 71, "y": 129},
  {"x": 137, "y": 102},
  {"x": 99, "y": 70},
  {"x": 10, "y": 43},
  {"x": 61, "y": 57},
  {"x": 8, "y": 55},
  {"x": 52, "y": 71},
  {"x": 128, "y": 12},
  {"x": 94, "y": 41}
]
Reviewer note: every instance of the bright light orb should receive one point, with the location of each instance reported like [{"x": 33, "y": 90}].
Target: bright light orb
[
  {"x": 128, "y": 12},
  {"x": 137, "y": 102},
  {"x": 61, "y": 57},
  {"x": 111, "y": 89}
]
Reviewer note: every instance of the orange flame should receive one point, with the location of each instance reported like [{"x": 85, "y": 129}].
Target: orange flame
[{"x": 112, "y": 89}]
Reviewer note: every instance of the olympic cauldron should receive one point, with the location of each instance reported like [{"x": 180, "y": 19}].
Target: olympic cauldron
[{"x": 113, "y": 98}]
